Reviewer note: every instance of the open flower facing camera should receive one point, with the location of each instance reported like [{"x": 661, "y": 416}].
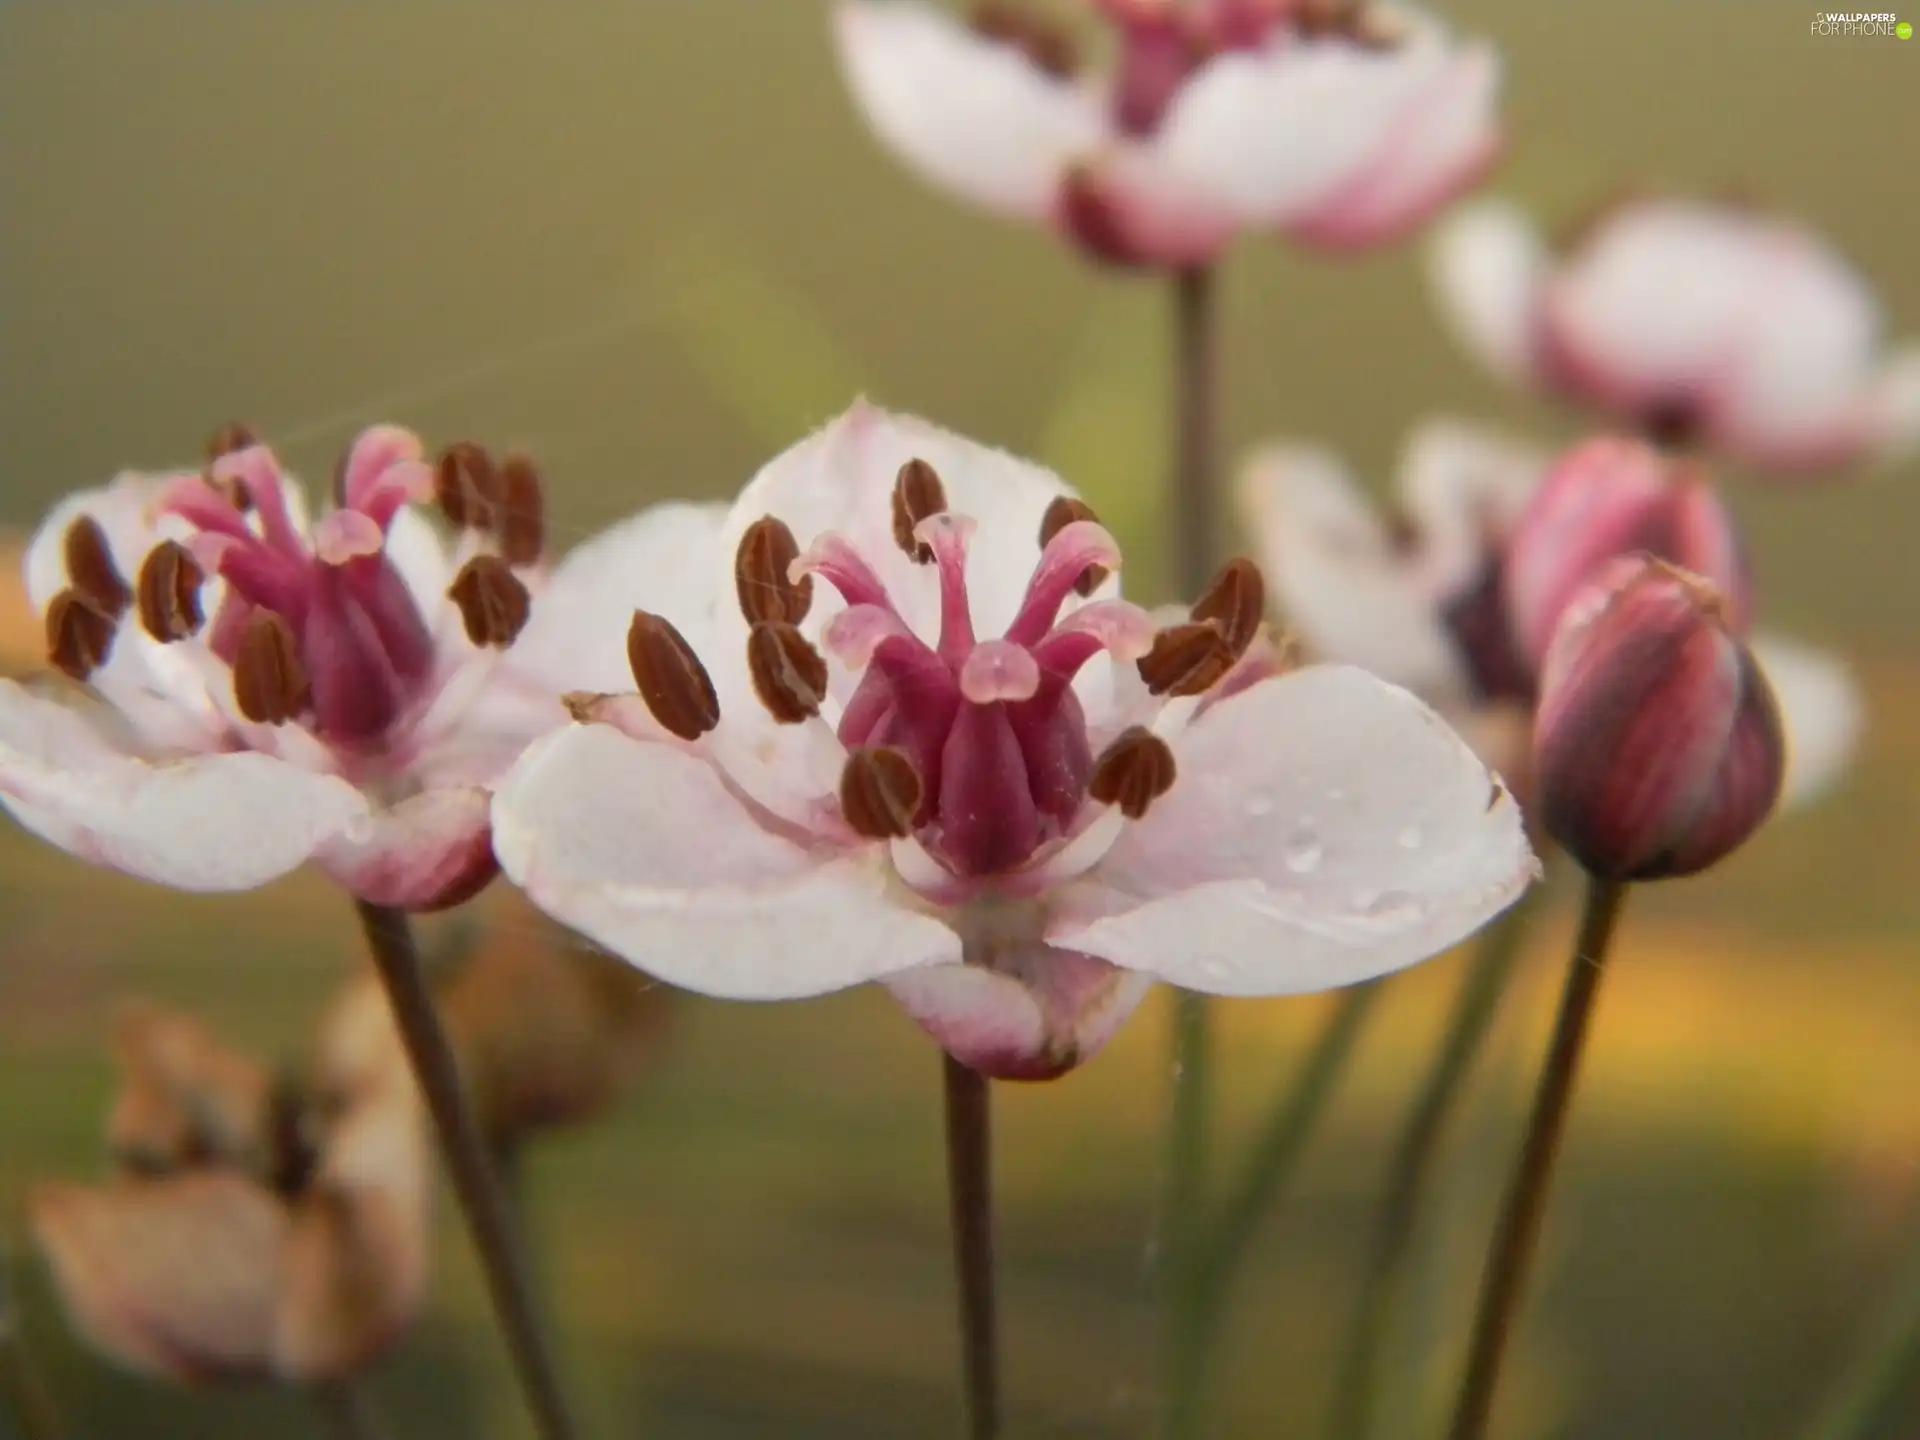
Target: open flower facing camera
[
  {"x": 908, "y": 730},
  {"x": 1340, "y": 125}
]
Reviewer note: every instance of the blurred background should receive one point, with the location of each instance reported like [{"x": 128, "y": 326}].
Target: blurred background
[{"x": 652, "y": 244}]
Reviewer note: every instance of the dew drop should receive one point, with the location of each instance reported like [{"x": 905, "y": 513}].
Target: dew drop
[
  {"x": 1411, "y": 838},
  {"x": 1388, "y": 905},
  {"x": 1215, "y": 969},
  {"x": 1259, "y": 804},
  {"x": 1304, "y": 853}
]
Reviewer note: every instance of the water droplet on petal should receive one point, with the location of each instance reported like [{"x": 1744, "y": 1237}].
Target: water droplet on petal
[
  {"x": 1215, "y": 969},
  {"x": 1259, "y": 804},
  {"x": 1388, "y": 905},
  {"x": 1304, "y": 853},
  {"x": 1411, "y": 838}
]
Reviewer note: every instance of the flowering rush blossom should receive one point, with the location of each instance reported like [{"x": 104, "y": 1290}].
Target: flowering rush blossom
[
  {"x": 1338, "y": 124},
  {"x": 908, "y": 731},
  {"x": 255, "y": 1229},
  {"x": 1696, "y": 323},
  {"x": 1457, "y": 592},
  {"x": 266, "y": 688}
]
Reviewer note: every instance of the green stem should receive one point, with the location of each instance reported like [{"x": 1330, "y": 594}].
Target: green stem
[
  {"x": 475, "y": 1183},
  {"x": 1518, "y": 1233},
  {"x": 1193, "y": 520},
  {"x": 970, "y": 1197},
  {"x": 1270, "y": 1164},
  {"x": 21, "y": 1390},
  {"x": 1410, "y": 1170},
  {"x": 1877, "y": 1368}
]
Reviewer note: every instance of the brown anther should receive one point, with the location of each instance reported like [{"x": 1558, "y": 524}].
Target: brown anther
[
  {"x": 90, "y": 568},
  {"x": 229, "y": 438},
  {"x": 670, "y": 677},
  {"x": 789, "y": 675},
  {"x": 1048, "y": 48},
  {"x": 761, "y": 567},
  {"x": 1186, "y": 659},
  {"x": 880, "y": 793},
  {"x": 1365, "y": 25},
  {"x": 521, "y": 524},
  {"x": 1235, "y": 602},
  {"x": 79, "y": 635},
  {"x": 917, "y": 495},
  {"x": 1065, "y": 511},
  {"x": 494, "y": 604},
  {"x": 1132, "y": 772},
  {"x": 467, "y": 485},
  {"x": 269, "y": 682},
  {"x": 167, "y": 592}
]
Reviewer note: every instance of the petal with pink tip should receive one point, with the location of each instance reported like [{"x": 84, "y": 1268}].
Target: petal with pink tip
[
  {"x": 1033, "y": 1015},
  {"x": 1488, "y": 267},
  {"x": 1336, "y": 575},
  {"x": 1323, "y": 828},
  {"x": 972, "y": 115},
  {"x": 430, "y": 851},
  {"x": 1822, "y": 713},
  {"x": 642, "y": 848},
  {"x": 209, "y": 822}
]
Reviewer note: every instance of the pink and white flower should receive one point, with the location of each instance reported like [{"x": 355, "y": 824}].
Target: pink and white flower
[
  {"x": 1696, "y": 323},
  {"x": 264, "y": 688},
  {"x": 1339, "y": 125},
  {"x": 1456, "y": 590},
  {"x": 909, "y": 732}
]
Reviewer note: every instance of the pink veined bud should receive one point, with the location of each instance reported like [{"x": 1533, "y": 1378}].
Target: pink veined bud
[
  {"x": 1607, "y": 498},
  {"x": 1657, "y": 744}
]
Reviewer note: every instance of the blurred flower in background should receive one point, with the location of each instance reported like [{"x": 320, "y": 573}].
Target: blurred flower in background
[
  {"x": 258, "y": 1226},
  {"x": 1338, "y": 125},
  {"x": 1455, "y": 590},
  {"x": 1699, "y": 324}
]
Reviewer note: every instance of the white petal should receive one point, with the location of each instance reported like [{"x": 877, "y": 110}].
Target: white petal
[
  {"x": 841, "y": 479},
  {"x": 971, "y": 114},
  {"x": 1821, "y": 710},
  {"x": 1338, "y": 580},
  {"x": 1896, "y": 403},
  {"x": 431, "y": 850},
  {"x": 422, "y": 557},
  {"x": 210, "y": 822},
  {"x": 1464, "y": 485},
  {"x": 1488, "y": 265},
  {"x": 642, "y": 848},
  {"x": 662, "y": 560},
  {"x": 1323, "y": 828},
  {"x": 1278, "y": 130}
]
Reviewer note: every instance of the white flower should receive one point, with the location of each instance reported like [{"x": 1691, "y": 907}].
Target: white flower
[
  {"x": 1695, "y": 322},
  {"x": 908, "y": 731},
  {"x": 1340, "y": 126}
]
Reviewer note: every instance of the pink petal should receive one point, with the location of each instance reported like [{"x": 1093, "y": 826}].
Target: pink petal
[
  {"x": 1032, "y": 1017},
  {"x": 1136, "y": 204},
  {"x": 971, "y": 115},
  {"x": 1337, "y": 579},
  {"x": 430, "y": 851},
  {"x": 643, "y": 849},
  {"x": 1488, "y": 268},
  {"x": 1324, "y": 828},
  {"x": 207, "y": 822}
]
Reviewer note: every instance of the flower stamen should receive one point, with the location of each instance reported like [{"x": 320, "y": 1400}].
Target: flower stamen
[
  {"x": 670, "y": 677},
  {"x": 521, "y": 523},
  {"x": 90, "y": 568},
  {"x": 168, "y": 593},
  {"x": 763, "y": 575},
  {"x": 467, "y": 486},
  {"x": 880, "y": 793},
  {"x": 789, "y": 675},
  {"x": 917, "y": 495},
  {"x": 79, "y": 635},
  {"x": 494, "y": 605},
  {"x": 1132, "y": 772},
  {"x": 270, "y": 684},
  {"x": 1065, "y": 511}
]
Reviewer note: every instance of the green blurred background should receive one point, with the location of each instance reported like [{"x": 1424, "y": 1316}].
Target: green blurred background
[{"x": 650, "y": 242}]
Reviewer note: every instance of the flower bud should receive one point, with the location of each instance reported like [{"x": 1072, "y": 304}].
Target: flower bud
[
  {"x": 1657, "y": 744},
  {"x": 1607, "y": 498}
]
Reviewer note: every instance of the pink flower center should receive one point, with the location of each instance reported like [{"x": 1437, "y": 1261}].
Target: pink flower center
[
  {"x": 993, "y": 728},
  {"x": 358, "y": 640},
  {"x": 1163, "y": 44}
]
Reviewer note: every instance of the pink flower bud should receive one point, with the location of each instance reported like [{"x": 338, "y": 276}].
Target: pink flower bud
[
  {"x": 1657, "y": 746},
  {"x": 1607, "y": 498}
]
